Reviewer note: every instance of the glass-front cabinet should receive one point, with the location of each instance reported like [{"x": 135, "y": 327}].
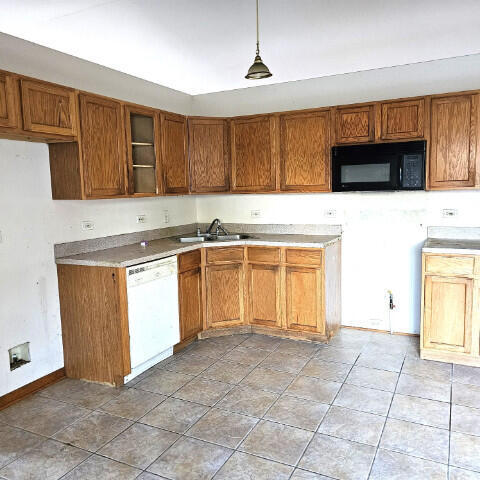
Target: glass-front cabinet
[{"x": 143, "y": 151}]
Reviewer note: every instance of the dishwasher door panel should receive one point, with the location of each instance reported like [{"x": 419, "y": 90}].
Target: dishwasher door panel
[{"x": 153, "y": 318}]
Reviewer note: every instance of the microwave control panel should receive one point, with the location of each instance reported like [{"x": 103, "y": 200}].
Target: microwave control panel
[{"x": 412, "y": 171}]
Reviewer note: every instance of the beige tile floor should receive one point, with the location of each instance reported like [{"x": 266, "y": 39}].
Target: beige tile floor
[{"x": 257, "y": 408}]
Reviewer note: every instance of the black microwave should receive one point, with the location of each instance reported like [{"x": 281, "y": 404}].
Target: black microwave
[{"x": 380, "y": 166}]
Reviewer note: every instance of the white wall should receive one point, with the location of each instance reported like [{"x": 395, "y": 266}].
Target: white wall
[
  {"x": 30, "y": 223},
  {"x": 382, "y": 238},
  {"x": 20, "y": 56},
  {"x": 439, "y": 76}
]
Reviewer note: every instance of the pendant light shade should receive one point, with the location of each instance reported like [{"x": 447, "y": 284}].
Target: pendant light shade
[{"x": 258, "y": 70}]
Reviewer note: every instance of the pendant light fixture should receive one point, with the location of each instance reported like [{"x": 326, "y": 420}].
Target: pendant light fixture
[{"x": 258, "y": 70}]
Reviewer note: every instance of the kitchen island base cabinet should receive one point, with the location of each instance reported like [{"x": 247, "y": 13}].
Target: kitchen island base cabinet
[{"x": 450, "y": 330}]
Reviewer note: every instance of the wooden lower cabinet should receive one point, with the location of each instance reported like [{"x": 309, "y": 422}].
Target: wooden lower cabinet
[
  {"x": 304, "y": 308},
  {"x": 224, "y": 285},
  {"x": 264, "y": 295},
  {"x": 190, "y": 294},
  {"x": 450, "y": 320}
]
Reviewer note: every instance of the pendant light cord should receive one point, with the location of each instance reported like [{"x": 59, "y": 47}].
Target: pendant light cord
[{"x": 258, "y": 40}]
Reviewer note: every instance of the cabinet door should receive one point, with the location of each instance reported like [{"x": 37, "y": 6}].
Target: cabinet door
[
  {"x": 304, "y": 302},
  {"x": 190, "y": 298},
  {"x": 253, "y": 163},
  {"x": 224, "y": 292},
  {"x": 104, "y": 160},
  {"x": 355, "y": 124},
  {"x": 174, "y": 153},
  {"x": 305, "y": 151},
  {"x": 208, "y": 152},
  {"x": 264, "y": 295},
  {"x": 453, "y": 145},
  {"x": 9, "y": 110},
  {"x": 447, "y": 323},
  {"x": 48, "y": 108},
  {"x": 403, "y": 119}
]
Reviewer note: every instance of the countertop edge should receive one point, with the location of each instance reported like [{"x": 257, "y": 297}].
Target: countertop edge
[{"x": 183, "y": 248}]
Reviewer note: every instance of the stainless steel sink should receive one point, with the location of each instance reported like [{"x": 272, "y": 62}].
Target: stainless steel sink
[{"x": 205, "y": 237}]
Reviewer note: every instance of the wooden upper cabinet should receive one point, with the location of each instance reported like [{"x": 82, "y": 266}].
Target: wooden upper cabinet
[
  {"x": 305, "y": 151},
  {"x": 208, "y": 152},
  {"x": 453, "y": 144},
  {"x": 103, "y": 146},
  {"x": 252, "y": 154},
  {"x": 401, "y": 120},
  {"x": 355, "y": 124},
  {"x": 143, "y": 150},
  {"x": 174, "y": 153},
  {"x": 48, "y": 108},
  {"x": 447, "y": 322},
  {"x": 9, "y": 109}
]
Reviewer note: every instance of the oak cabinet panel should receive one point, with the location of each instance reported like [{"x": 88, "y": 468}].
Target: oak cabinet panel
[
  {"x": 402, "y": 120},
  {"x": 449, "y": 265},
  {"x": 305, "y": 151},
  {"x": 190, "y": 299},
  {"x": 224, "y": 295},
  {"x": 208, "y": 155},
  {"x": 9, "y": 109},
  {"x": 174, "y": 153},
  {"x": 354, "y": 124},
  {"x": 448, "y": 303},
  {"x": 252, "y": 154},
  {"x": 453, "y": 145},
  {"x": 103, "y": 147},
  {"x": 48, "y": 108},
  {"x": 304, "y": 256},
  {"x": 224, "y": 254},
  {"x": 304, "y": 310},
  {"x": 264, "y": 292},
  {"x": 263, "y": 254}
]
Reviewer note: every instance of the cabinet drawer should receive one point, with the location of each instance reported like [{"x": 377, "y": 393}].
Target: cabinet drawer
[
  {"x": 263, "y": 254},
  {"x": 443, "y": 265},
  {"x": 189, "y": 260},
  {"x": 297, "y": 256},
  {"x": 224, "y": 254}
]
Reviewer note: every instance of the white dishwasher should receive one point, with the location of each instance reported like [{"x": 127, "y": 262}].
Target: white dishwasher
[{"x": 152, "y": 290}]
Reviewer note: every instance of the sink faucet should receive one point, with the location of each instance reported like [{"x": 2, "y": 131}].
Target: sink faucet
[{"x": 218, "y": 229}]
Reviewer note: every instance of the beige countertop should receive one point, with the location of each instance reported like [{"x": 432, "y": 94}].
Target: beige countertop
[
  {"x": 451, "y": 245},
  {"x": 135, "y": 254}
]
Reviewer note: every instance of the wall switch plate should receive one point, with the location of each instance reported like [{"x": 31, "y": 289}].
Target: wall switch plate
[
  {"x": 330, "y": 213},
  {"x": 255, "y": 213},
  {"x": 166, "y": 216},
  {"x": 449, "y": 212},
  {"x": 1, "y": 237},
  {"x": 141, "y": 218},
  {"x": 88, "y": 225}
]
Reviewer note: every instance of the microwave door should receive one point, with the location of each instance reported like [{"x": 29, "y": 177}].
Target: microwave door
[{"x": 370, "y": 175}]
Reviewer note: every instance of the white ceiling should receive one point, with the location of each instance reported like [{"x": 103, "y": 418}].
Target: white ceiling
[{"x": 201, "y": 46}]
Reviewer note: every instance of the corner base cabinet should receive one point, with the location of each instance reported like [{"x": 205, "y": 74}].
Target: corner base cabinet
[
  {"x": 450, "y": 330},
  {"x": 280, "y": 290}
]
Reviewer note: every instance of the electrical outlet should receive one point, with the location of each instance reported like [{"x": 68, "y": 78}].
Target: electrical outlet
[
  {"x": 449, "y": 212},
  {"x": 330, "y": 213},
  {"x": 255, "y": 213},
  {"x": 1, "y": 237},
  {"x": 141, "y": 218},
  {"x": 166, "y": 216},
  {"x": 88, "y": 225}
]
